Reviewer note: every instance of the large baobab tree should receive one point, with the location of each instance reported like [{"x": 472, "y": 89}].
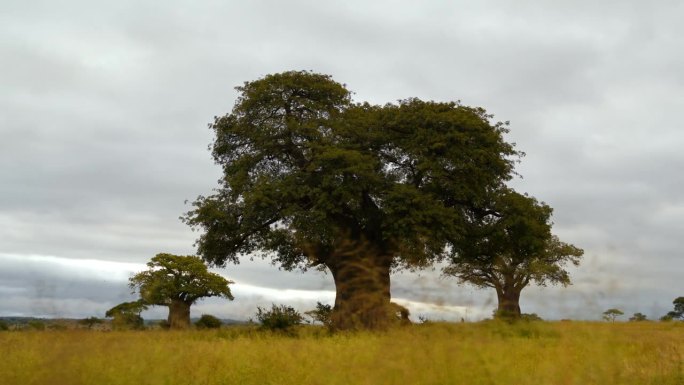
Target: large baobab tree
[{"x": 312, "y": 179}]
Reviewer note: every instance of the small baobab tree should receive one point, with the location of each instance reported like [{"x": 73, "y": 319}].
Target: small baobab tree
[
  {"x": 178, "y": 282},
  {"x": 507, "y": 245}
]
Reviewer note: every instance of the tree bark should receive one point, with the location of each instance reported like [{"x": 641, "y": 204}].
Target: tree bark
[
  {"x": 179, "y": 314},
  {"x": 509, "y": 302},
  {"x": 362, "y": 285}
]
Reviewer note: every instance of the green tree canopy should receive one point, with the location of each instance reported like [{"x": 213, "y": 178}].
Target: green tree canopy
[
  {"x": 679, "y": 306},
  {"x": 133, "y": 307},
  {"x": 178, "y": 282},
  {"x": 321, "y": 313},
  {"x": 506, "y": 245},
  {"x": 678, "y": 312},
  {"x": 612, "y": 314},
  {"x": 313, "y": 179},
  {"x": 126, "y": 315},
  {"x": 638, "y": 317}
]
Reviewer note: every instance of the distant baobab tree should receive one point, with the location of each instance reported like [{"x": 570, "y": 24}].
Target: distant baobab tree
[
  {"x": 506, "y": 245},
  {"x": 178, "y": 282}
]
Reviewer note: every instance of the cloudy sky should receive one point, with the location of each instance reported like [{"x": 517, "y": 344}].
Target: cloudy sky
[{"x": 104, "y": 109}]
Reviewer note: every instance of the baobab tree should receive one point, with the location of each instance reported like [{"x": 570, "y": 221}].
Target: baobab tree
[
  {"x": 507, "y": 245},
  {"x": 178, "y": 282},
  {"x": 311, "y": 179}
]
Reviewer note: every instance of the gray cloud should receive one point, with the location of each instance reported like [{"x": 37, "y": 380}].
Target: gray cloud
[{"x": 103, "y": 115}]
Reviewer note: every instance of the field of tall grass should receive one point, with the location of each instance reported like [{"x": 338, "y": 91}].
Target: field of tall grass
[{"x": 433, "y": 353}]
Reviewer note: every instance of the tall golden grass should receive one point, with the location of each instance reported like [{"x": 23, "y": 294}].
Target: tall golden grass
[{"x": 435, "y": 353}]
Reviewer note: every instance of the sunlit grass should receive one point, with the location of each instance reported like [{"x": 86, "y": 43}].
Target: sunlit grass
[{"x": 482, "y": 353}]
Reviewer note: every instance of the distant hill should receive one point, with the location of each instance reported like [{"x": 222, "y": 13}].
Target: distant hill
[{"x": 25, "y": 320}]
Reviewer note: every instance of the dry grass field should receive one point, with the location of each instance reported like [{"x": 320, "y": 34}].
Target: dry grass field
[{"x": 579, "y": 353}]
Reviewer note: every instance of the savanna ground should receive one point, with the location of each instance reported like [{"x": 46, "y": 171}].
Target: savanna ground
[{"x": 433, "y": 353}]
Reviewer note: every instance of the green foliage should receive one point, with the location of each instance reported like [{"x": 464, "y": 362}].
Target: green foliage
[
  {"x": 208, "y": 321},
  {"x": 36, "y": 325},
  {"x": 510, "y": 240},
  {"x": 612, "y": 314},
  {"x": 90, "y": 322},
  {"x": 133, "y": 307},
  {"x": 679, "y": 304},
  {"x": 312, "y": 179},
  {"x": 126, "y": 315},
  {"x": 502, "y": 314},
  {"x": 399, "y": 314},
  {"x": 3, "y": 326},
  {"x": 174, "y": 277},
  {"x": 321, "y": 313},
  {"x": 177, "y": 282},
  {"x": 506, "y": 244},
  {"x": 638, "y": 317},
  {"x": 281, "y": 318},
  {"x": 511, "y": 317},
  {"x": 304, "y": 168},
  {"x": 678, "y": 312},
  {"x": 530, "y": 317}
]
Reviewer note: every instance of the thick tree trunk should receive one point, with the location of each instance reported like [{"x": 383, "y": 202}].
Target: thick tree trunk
[
  {"x": 179, "y": 315},
  {"x": 362, "y": 287},
  {"x": 509, "y": 302}
]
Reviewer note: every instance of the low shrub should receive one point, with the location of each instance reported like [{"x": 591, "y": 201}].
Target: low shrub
[
  {"x": 208, "y": 321},
  {"x": 321, "y": 313},
  {"x": 281, "y": 318}
]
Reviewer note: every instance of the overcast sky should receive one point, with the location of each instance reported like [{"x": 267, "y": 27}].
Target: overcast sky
[{"x": 104, "y": 109}]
